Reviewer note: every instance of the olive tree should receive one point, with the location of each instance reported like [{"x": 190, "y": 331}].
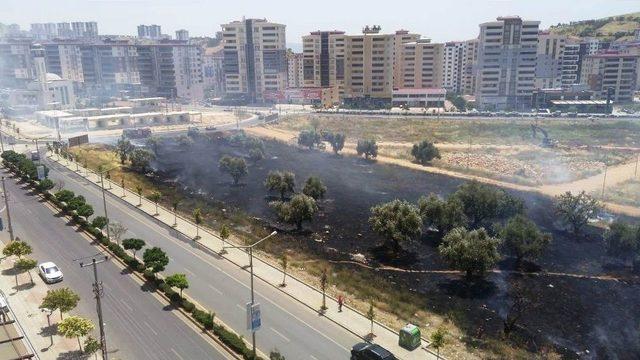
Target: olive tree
[
  {"x": 336, "y": 140},
  {"x": 622, "y": 240},
  {"x": 368, "y": 148},
  {"x": 576, "y": 210},
  {"x": 442, "y": 215},
  {"x": 483, "y": 203},
  {"x": 63, "y": 299},
  {"x": 140, "y": 159},
  {"x": 472, "y": 251},
  {"x": 308, "y": 138},
  {"x": 397, "y": 221},
  {"x": 314, "y": 187},
  {"x": 424, "y": 152},
  {"x": 234, "y": 166},
  {"x": 281, "y": 181},
  {"x": 301, "y": 208},
  {"x": 523, "y": 239}
]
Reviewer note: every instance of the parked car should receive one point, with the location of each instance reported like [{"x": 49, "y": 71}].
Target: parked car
[
  {"x": 50, "y": 272},
  {"x": 365, "y": 351}
]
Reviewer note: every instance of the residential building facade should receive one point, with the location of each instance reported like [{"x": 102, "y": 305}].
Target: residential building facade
[
  {"x": 615, "y": 72},
  {"x": 295, "y": 70}
]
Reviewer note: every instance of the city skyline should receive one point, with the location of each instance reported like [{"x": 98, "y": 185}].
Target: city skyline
[{"x": 204, "y": 19}]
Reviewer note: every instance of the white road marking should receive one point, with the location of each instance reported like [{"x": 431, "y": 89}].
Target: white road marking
[
  {"x": 175, "y": 352},
  {"x": 282, "y": 336},
  {"x": 214, "y": 289},
  {"x": 126, "y": 305},
  {"x": 190, "y": 272},
  {"x": 151, "y": 328},
  {"x": 241, "y": 307}
]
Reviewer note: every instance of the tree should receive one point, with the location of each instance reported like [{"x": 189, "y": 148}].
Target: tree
[
  {"x": 397, "y": 221},
  {"x": 123, "y": 149},
  {"x": 116, "y": 230},
  {"x": 197, "y": 217},
  {"x": 64, "y": 195},
  {"x": 234, "y": 166},
  {"x": 522, "y": 300},
  {"x": 371, "y": 316},
  {"x": 124, "y": 194},
  {"x": 482, "y": 203},
  {"x": 308, "y": 138},
  {"x": 324, "y": 280},
  {"x": 224, "y": 235},
  {"x": 154, "y": 143},
  {"x": 438, "y": 340},
  {"x": 140, "y": 159},
  {"x": 280, "y": 181},
  {"x": 256, "y": 154},
  {"x": 367, "y": 147},
  {"x": 139, "y": 191},
  {"x": 45, "y": 184},
  {"x": 576, "y": 210},
  {"x": 275, "y": 355},
  {"x": 17, "y": 248},
  {"x": 91, "y": 346},
  {"x": 63, "y": 299},
  {"x": 85, "y": 210},
  {"x": 336, "y": 140},
  {"x": 175, "y": 202},
  {"x": 470, "y": 251},
  {"x": 523, "y": 239},
  {"x": 76, "y": 203},
  {"x": 314, "y": 188},
  {"x": 424, "y": 152},
  {"x": 177, "y": 281},
  {"x": 284, "y": 262},
  {"x": 75, "y": 327},
  {"x": 301, "y": 208},
  {"x": 133, "y": 244},
  {"x": 99, "y": 222},
  {"x": 442, "y": 215},
  {"x": 155, "y": 196},
  {"x": 622, "y": 240},
  {"x": 26, "y": 265},
  {"x": 155, "y": 259}
]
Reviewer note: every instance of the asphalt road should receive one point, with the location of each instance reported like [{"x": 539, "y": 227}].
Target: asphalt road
[
  {"x": 138, "y": 326},
  {"x": 295, "y": 330}
]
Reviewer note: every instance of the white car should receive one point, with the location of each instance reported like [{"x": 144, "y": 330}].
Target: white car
[{"x": 49, "y": 272}]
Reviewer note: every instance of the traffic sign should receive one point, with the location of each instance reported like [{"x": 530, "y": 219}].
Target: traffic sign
[
  {"x": 40, "y": 170},
  {"x": 254, "y": 320}
]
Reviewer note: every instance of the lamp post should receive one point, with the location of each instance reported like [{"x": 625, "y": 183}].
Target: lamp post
[
  {"x": 250, "y": 247},
  {"x": 104, "y": 198}
]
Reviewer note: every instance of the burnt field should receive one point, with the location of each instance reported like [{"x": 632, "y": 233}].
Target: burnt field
[{"x": 583, "y": 317}]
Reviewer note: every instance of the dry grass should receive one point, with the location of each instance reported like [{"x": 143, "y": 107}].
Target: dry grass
[{"x": 625, "y": 193}]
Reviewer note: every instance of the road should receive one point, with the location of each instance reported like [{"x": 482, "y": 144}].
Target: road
[
  {"x": 138, "y": 326},
  {"x": 292, "y": 328}
]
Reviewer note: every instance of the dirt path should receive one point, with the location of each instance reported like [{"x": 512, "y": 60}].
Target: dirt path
[{"x": 615, "y": 175}]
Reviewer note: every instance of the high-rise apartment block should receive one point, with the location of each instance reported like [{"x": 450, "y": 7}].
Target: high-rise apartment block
[
  {"x": 323, "y": 59},
  {"x": 452, "y": 65},
  {"x": 213, "y": 70},
  {"x": 295, "y": 72},
  {"x": 74, "y": 30},
  {"x": 615, "y": 71},
  {"x": 149, "y": 32},
  {"x": 469, "y": 65},
  {"x": 507, "y": 52},
  {"x": 182, "y": 35},
  {"x": 422, "y": 65},
  {"x": 551, "y": 49},
  {"x": 255, "y": 59}
]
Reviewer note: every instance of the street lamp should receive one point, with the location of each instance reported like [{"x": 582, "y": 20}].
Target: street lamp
[
  {"x": 104, "y": 198},
  {"x": 250, "y": 247},
  {"x": 37, "y": 147}
]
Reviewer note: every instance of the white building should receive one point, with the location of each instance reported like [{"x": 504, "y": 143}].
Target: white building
[
  {"x": 295, "y": 75},
  {"x": 452, "y": 63}
]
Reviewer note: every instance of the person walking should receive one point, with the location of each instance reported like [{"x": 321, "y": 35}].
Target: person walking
[{"x": 340, "y": 302}]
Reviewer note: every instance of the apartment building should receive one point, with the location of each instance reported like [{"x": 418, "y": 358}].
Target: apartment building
[
  {"x": 570, "y": 64},
  {"x": 323, "y": 60},
  {"x": 182, "y": 35},
  {"x": 65, "y": 60},
  {"x": 255, "y": 60},
  {"x": 16, "y": 63},
  {"x": 452, "y": 65},
  {"x": 507, "y": 52},
  {"x": 149, "y": 31},
  {"x": 615, "y": 71},
  {"x": 549, "y": 60},
  {"x": 213, "y": 70},
  {"x": 295, "y": 70},
  {"x": 74, "y": 30},
  {"x": 422, "y": 65},
  {"x": 469, "y": 64},
  {"x": 401, "y": 37}
]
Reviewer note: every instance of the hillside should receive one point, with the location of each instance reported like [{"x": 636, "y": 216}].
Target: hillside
[{"x": 620, "y": 27}]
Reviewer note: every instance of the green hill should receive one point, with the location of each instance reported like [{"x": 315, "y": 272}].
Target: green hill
[{"x": 620, "y": 27}]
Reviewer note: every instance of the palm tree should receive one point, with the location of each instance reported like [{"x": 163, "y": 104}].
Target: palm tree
[{"x": 139, "y": 192}]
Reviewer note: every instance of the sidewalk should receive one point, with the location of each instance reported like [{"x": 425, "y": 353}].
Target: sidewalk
[
  {"x": 24, "y": 301},
  {"x": 349, "y": 318}
]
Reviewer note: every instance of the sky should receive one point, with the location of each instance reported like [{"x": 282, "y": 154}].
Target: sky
[{"x": 438, "y": 20}]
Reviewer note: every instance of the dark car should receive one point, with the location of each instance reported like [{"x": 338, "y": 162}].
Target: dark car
[{"x": 364, "y": 351}]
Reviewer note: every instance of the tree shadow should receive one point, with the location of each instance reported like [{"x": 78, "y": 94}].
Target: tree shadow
[
  {"x": 49, "y": 330},
  {"x": 527, "y": 266},
  {"x": 468, "y": 289},
  {"x": 386, "y": 255},
  {"x": 25, "y": 286},
  {"x": 72, "y": 355}
]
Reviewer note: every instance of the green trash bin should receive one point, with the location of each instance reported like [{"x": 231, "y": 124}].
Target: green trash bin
[{"x": 409, "y": 337}]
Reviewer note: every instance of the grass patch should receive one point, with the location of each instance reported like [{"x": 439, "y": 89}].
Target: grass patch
[{"x": 625, "y": 193}]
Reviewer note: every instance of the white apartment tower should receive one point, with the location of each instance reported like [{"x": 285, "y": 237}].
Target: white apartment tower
[
  {"x": 295, "y": 72},
  {"x": 507, "y": 52},
  {"x": 469, "y": 64},
  {"x": 452, "y": 63},
  {"x": 255, "y": 59}
]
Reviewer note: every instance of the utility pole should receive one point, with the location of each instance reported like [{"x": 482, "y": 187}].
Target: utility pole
[
  {"x": 604, "y": 180},
  {"x": 6, "y": 203},
  {"x": 98, "y": 290},
  {"x": 104, "y": 204},
  {"x": 1, "y": 141},
  {"x": 635, "y": 174}
]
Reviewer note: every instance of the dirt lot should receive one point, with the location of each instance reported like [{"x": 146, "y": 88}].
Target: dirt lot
[{"x": 584, "y": 306}]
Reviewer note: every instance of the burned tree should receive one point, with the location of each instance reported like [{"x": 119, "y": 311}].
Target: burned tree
[
  {"x": 281, "y": 181},
  {"x": 234, "y": 166}
]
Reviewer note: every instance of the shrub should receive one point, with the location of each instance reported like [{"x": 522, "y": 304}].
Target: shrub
[
  {"x": 149, "y": 275},
  {"x": 175, "y": 297},
  {"x": 234, "y": 341},
  {"x": 204, "y": 318},
  {"x": 188, "y": 306}
]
